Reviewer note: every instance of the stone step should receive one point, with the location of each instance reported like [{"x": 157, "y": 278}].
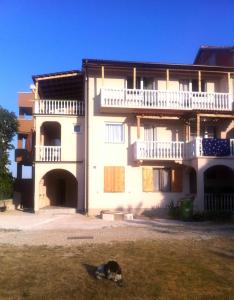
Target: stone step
[
  {"x": 116, "y": 216},
  {"x": 58, "y": 210}
]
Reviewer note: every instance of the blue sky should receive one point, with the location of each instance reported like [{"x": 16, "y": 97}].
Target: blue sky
[{"x": 51, "y": 35}]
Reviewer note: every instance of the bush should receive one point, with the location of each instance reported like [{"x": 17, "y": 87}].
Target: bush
[
  {"x": 173, "y": 210},
  {"x": 6, "y": 186}
]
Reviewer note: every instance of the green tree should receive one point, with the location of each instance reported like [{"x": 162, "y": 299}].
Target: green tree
[{"x": 8, "y": 128}]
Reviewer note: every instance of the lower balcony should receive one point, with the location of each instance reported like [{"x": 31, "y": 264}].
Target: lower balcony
[
  {"x": 48, "y": 153},
  {"x": 180, "y": 150}
]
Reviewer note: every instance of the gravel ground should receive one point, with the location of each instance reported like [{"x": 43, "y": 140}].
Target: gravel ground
[{"x": 20, "y": 228}]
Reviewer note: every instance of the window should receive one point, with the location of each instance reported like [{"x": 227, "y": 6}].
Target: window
[
  {"x": 77, "y": 128},
  {"x": 163, "y": 180},
  {"x": 130, "y": 83},
  {"x": 150, "y": 133},
  {"x": 195, "y": 85},
  {"x": 114, "y": 133},
  {"x": 114, "y": 179},
  {"x": 185, "y": 85},
  {"x": 148, "y": 83}
]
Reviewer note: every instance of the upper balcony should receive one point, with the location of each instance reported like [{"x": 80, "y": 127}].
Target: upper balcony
[
  {"x": 59, "y": 107},
  {"x": 123, "y": 99}
]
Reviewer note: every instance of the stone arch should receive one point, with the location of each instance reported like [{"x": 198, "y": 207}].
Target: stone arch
[
  {"x": 219, "y": 179},
  {"x": 219, "y": 188},
  {"x": 58, "y": 187}
]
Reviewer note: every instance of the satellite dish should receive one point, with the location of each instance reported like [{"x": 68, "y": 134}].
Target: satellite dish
[{"x": 32, "y": 86}]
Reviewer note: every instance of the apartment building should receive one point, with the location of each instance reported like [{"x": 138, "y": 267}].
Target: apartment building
[
  {"x": 133, "y": 136},
  {"x": 215, "y": 56}
]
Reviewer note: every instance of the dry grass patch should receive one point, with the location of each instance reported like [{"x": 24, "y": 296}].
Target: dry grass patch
[{"x": 152, "y": 270}]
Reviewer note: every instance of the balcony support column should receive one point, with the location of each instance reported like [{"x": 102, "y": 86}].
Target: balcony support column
[
  {"x": 103, "y": 75},
  {"x": 198, "y": 125},
  {"x": 134, "y": 78},
  {"x": 185, "y": 132},
  {"x": 167, "y": 79},
  {"x": 36, "y": 91},
  {"x": 199, "y": 201},
  {"x": 229, "y": 82},
  {"x": 199, "y": 81},
  {"x": 138, "y": 127}
]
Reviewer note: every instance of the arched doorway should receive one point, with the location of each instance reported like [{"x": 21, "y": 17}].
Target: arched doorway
[
  {"x": 219, "y": 188},
  {"x": 51, "y": 134},
  {"x": 58, "y": 188}
]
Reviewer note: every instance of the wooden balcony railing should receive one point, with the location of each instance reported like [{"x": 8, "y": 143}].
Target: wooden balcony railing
[
  {"x": 155, "y": 99},
  {"x": 59, "y": 107}
]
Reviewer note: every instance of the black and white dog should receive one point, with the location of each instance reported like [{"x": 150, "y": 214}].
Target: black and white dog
[{"x": 111, "y": 271}]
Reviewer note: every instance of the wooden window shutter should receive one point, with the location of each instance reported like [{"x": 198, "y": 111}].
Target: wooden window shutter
[
  {"x": 177, "y": 180},
  {"x": 108, "y": 179},
  {"x": 114, "y": 179},
  {"x": 119, "y": 179},
  {"x": 147, "y": 180}
]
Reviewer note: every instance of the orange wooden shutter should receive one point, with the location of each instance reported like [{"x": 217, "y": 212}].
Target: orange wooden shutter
[
  {"x": 177, "y": 180},
  {"x": 114, "y": 179},
  {"x": 108, "y": 179},
  {"x": 147, "y": 180},
  {"x": 119, "y": 179}
]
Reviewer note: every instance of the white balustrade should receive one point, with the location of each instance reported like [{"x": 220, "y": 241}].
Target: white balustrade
[
  {"x": 156, "y": 99},
  {"x": 171, "y": 150},
  {"x": 59, "y": 107},
  {"x": 48, "y": 153},
  {"x": 216, "y": 202},
  {"x": 159, "y": 150}
]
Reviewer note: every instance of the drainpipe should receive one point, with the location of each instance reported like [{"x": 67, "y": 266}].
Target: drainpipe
[{"x": 86, "y": 98}]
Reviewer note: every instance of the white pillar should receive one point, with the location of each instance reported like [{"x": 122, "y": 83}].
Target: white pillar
[
  {"x": 199, "y": 201},
  {"x": 36, "y": 191}
]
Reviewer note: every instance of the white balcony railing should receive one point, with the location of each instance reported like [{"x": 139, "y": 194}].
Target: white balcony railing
[
  {"x": 48, "y": 153},
  {"x": 171, "y": 150},
  {"x": 155, "y": 99},
  {"x": 59, "y": 107},
  {"x": 159, "y": 150}
]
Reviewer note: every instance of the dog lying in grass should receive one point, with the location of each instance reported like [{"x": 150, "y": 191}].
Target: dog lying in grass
[{"x": 111, "y": 270}]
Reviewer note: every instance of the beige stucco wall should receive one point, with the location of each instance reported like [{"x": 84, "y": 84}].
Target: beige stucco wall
[
  {"x": 72, "y": 144},
  {"x": 72, "y": 157},
  {"x": 103, "y": 154}
]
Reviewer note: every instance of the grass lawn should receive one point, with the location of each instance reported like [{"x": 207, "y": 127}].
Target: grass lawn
[{"x": 151, "y": 269}]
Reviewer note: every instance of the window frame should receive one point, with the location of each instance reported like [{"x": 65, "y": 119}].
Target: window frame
[
  {"x": 122, "y": 135},
  {"x": 160, "y": 179},
  {"x": 77, "y": 132}
]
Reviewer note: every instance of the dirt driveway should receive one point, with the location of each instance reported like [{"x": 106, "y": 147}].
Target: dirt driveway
[{"x": 61, "y": 229}]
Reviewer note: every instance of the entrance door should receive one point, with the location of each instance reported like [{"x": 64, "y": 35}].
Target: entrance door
[{"x": 61, "y": 192}]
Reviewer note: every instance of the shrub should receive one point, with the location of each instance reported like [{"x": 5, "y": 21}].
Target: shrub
[{"x": 173, "y": 210}]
